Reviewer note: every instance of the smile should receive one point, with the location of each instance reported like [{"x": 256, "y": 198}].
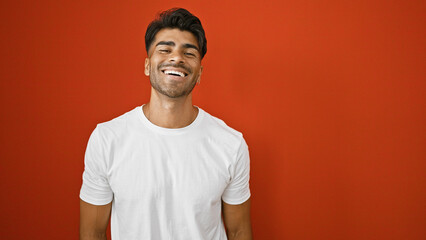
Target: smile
[{"x": 175, "y": 73}]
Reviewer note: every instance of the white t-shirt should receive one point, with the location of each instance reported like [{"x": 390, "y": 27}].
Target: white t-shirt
[{"x": 165, "y": 183}]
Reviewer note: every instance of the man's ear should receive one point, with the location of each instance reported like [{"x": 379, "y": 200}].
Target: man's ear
[
  {"x": 147, "y": 66},
  {"x": 199, "y": 75}
]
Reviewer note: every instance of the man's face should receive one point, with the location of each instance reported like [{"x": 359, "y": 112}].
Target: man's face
[{"x": 174, "y": 62}]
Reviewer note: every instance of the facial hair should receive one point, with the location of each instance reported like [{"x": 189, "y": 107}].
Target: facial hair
[{"x": 171, "y": 91}]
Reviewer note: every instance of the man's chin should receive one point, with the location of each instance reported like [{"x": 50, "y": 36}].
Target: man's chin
[{"x": 173, "y": 94}]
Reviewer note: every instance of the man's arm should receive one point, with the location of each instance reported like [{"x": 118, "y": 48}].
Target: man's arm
[
  {"x": 237, "y": 221},
  {"x": 94, "y": 221}
]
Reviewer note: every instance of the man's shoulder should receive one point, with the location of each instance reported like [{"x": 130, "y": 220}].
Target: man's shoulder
[
  {"x": 219, "y": 128},
  {"x": 118, "y": 124}
]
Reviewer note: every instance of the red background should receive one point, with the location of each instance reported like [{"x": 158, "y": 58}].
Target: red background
[{"x": 330, "y": 96}]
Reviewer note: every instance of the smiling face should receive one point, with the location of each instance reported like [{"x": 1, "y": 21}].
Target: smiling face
[{"x": 174, "y": 63}]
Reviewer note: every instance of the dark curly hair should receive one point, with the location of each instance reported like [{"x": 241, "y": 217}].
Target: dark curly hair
[{"x": 177, "y": 18}]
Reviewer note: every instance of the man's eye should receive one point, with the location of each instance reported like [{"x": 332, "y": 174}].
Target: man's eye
[
  {"x": 164, "y": 50},
  {"x": 190, "y": 54}
]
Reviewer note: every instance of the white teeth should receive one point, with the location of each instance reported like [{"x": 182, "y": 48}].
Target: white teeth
[{"x": 174, "y": 72}]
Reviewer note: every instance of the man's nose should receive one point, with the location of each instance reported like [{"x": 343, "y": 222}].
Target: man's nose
[{"x": 176, "y": 57}]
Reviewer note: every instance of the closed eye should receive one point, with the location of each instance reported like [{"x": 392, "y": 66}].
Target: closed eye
[{"x": 190, "y": 54}]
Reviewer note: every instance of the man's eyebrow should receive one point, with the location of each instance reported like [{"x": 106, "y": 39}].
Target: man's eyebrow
[
  {"x": 171, "y": 43},
  {"x": 188, "y": 45},
  {"x": 167, "y": 43}
]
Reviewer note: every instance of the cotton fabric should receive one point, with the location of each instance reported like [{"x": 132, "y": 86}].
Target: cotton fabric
[{"x": 165, "y": 183}]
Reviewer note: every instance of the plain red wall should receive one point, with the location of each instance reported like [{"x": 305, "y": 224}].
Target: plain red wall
[{"x": 330, "y": 96}]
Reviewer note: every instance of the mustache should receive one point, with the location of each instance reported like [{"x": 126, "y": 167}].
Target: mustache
[{"x": 175, "y": 65}]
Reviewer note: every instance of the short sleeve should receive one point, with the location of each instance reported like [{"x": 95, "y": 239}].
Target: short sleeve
[
  {"x": 238, "y": 190},
  {"x": 95, "y": 188}
]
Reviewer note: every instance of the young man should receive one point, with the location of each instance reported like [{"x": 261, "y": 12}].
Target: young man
[{"x": 167, "y": 169}]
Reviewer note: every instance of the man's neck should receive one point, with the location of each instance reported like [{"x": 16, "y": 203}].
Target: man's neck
[{"x": 170, "y": 113}]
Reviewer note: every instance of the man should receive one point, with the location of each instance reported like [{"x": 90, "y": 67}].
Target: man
[{"x": 167, "y": 169}]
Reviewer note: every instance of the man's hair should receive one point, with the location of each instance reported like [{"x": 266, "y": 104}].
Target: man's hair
[{"x": 177, "y": 18}]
